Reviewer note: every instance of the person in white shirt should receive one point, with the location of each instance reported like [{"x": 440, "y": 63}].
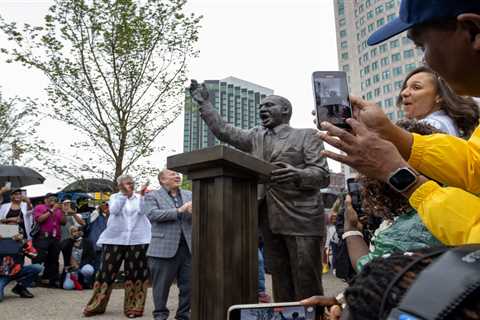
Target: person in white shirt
[
  {"x": 426, "y": 97},
  {"x": 125, "y": 239}
]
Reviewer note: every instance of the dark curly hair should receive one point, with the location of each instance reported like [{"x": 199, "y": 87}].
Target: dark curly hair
[
  {"x": 463, "y": 111},
  {"x": 365, "y": 293},
  {"x": 379, "y": 199}
]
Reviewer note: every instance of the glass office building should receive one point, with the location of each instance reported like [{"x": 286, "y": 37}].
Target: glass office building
[{"x": 237, "y": 102}]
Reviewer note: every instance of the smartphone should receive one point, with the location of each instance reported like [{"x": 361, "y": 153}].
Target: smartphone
[
  {"x": 8, "y": 185},
  {"x": 24, "y": 193},
  {"x": 277, "y": 311},
  {"x": 332, "y": 103},
  {"x": 354, "y": 189}
]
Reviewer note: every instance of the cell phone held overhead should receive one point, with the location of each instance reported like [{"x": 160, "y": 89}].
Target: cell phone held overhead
[{"x": 332, "y": 103}]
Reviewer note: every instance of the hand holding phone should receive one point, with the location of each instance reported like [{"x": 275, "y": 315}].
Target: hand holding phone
[
  {"x": 332, "y": 103},
  {"x": 287, "y": 310}
]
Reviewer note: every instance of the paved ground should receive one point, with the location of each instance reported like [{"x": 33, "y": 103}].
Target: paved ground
[{"x": 56, "y": 304}]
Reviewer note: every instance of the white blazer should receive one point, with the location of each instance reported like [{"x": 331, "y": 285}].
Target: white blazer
[{"x": 27, "y": 215}]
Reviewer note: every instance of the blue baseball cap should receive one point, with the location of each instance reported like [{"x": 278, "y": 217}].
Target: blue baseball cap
[{"x": 415, "y": 12}]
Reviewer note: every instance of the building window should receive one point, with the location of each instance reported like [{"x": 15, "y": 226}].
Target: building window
[
  {"x": 379, "y": 9},
  {"x": 344, "y": 45},
  {"x": 409, "y": 67},
  {"x": 384, "y": 61},
  {"x": 374, "y": 66},
  {"x": 389, "y": 102},
  {"x": 341, "y": 22},
  {"x": 387, "y": 88},
  {"x": 368, "y": 82},
  {"x": 390, "y": 17},
  {"x": 398, "y": 85},
  {"x": 345, "y": 56},
  {"x": 373, "y": 52},
  {"x": 376, "y": 78},
  {"x": 380, "y": 22},
  {"x": 369, "y": 95},
  {"x": 343, "y": 33},
  {"x": 376, "y": 92},
  {"x": 383, "y": 48},
  {"x": 386, "y": 75},
  {"x": 396, "y": 57},
  {"x": 371, "y": 27},
  {"x": 366, "y": 70},
  {"x": 397, "y": 71},
  {"x": 370, "y": 14},
  {"x": 390, "y": 4},
  {"x": 346, "y": 68},
  {"x": 408, "y": 54},
  {"x": 394, "y": 44}
]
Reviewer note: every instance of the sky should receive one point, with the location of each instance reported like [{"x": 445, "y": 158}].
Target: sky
[{"x": 273, "y": 43}]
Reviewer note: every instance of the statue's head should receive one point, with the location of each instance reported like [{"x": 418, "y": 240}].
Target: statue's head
[{"x": 275, "y": 110}]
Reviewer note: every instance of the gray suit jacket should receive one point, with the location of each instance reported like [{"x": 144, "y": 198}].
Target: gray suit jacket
[
  {"x": 167, "y": 224},
  {"x": 293, "y": 209}
]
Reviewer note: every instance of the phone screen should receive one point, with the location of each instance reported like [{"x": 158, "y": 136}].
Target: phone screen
[
  {"x": 8, "y": 184},
  {"x": 332, "y": 103},
  {"x": 24, "y": 193},
  {"x": 296, "y": 312}
]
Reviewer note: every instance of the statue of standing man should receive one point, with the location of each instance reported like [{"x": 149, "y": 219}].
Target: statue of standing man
[{"x": 290, "y": 205}]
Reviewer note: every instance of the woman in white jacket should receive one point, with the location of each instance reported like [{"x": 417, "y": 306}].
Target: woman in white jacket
[{"x": 18, "y": 211}]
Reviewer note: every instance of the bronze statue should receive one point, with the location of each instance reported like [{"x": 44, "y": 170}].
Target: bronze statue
[{"x": 290, "y": 205}]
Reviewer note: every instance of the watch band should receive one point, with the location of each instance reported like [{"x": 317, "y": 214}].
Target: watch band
[{"x": 347, "y": 234}]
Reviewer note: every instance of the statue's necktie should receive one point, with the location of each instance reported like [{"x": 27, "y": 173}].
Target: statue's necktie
[{"x": 268, "y": 142}]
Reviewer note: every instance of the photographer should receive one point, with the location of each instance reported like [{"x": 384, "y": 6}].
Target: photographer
[
  {"x": 50, "y": 217},
  {"x": 73, "y": 219}
]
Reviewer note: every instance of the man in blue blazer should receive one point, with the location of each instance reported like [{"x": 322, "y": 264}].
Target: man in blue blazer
[{"x": 170, "y": 252}]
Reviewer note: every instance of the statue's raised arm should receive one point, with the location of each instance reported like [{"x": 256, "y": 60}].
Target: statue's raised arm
[{"x": 239, "y": 138}]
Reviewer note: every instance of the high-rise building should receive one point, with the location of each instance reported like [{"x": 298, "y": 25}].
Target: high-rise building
[
  {"x": 237, "y": 102},
  {"x": 376, "y": 73}
]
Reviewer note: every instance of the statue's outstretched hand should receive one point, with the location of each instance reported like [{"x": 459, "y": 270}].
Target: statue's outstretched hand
[{"x": 198, "y": 92}]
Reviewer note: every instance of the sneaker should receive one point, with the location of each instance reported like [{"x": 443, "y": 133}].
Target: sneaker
[
  {"x": 263, "y": 297},
  {"x": 22, "y": 291}
]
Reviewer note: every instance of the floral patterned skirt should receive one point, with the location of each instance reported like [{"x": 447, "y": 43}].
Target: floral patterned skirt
[{"x": 136, "y": 279}]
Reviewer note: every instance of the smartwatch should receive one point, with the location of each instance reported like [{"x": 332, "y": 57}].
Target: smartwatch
[{"x": 402, "y": 179}]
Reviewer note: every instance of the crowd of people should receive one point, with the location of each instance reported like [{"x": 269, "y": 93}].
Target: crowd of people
[{"x": 419, "y": 215}]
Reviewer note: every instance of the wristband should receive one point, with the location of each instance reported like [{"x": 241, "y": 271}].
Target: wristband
[{"x": 351, "y": 233}]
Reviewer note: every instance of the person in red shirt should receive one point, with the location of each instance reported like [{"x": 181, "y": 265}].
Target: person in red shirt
[{"x": 50, "y": 217}]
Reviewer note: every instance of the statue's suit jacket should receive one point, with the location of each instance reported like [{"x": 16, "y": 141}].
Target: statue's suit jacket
[
  {"x": 167, "y": 223},
  {"x": 293, "y": 209}
]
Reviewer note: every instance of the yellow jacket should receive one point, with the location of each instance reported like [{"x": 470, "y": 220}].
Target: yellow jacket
[{"x": 451, "y": 214}]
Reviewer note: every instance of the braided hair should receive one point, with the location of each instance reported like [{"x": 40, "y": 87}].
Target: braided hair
[{"x": 365, "y": 293}]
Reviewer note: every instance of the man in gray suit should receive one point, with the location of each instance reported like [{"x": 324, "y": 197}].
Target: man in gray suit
[
  {"x": 170, "y": 252},
  {"x": 290, "y": 207}
]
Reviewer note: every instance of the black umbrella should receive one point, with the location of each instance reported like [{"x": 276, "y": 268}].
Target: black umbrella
[
  {"x": 19, "y": 176},
  {"x": 91, "y": 185}
]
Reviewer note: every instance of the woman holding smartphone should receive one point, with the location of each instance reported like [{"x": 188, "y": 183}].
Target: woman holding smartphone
[{"x": 125, "y": 239}]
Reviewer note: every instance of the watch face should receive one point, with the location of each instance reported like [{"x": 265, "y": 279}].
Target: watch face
[{"x": 403, "y": 179}]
